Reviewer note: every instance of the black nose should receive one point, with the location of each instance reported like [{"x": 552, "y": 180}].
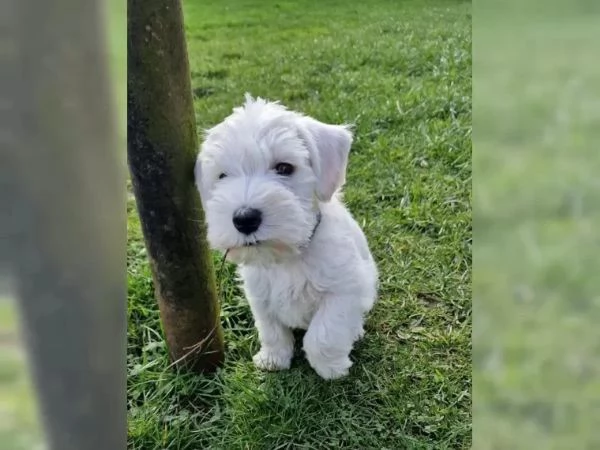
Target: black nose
[{"x": 247, "y": 220}]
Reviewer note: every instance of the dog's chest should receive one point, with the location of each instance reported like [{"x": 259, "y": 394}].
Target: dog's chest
[{"x": 284, "y": 292}]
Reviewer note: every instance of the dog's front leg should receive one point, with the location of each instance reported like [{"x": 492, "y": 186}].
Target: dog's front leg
[
  {"x": 276, "y": 341},
  {"x": 330, "y": 337}
]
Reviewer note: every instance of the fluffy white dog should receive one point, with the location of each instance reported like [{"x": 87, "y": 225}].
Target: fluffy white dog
[{"x": 269, "y": 180}]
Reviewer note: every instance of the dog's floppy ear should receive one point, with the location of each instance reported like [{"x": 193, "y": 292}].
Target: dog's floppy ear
[{"x": 329, "y": 146}]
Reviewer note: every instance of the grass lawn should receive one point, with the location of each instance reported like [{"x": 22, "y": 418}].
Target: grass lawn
[
  {"x": 401, "y": 71},
  {"x": 19, "y": 427},
  {"x": 537, "y": 208}
]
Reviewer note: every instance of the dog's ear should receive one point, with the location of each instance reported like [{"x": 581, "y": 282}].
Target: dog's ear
[{"x": 329, "y": 146}]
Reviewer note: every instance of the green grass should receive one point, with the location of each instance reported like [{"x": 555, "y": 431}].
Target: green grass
[
  {"x": 536, "y": 336},
  {"x": 19, "y": 427},
  {"x": 401, "y": 71}
]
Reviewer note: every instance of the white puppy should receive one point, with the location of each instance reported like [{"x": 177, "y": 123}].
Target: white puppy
[{"x": 269, "y": 180}]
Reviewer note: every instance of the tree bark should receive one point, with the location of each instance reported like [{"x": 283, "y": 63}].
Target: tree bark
[{"x": 161, "y": 151}]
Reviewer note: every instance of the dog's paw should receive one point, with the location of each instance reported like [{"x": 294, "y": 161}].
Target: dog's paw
[
  {"x": 271, "y": 360},
  {"x": 332, "y": 369}
]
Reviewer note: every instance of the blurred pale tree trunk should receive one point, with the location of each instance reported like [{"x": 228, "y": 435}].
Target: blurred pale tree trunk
[{"x": 62, "y": 221}]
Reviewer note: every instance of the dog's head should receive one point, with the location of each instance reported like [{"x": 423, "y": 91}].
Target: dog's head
[{"x": 261, "y": 173}]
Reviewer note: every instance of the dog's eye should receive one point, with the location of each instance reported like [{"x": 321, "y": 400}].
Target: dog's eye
[
  {"x": 223, "y": 175},
  {"x": 284, "y": 169}
]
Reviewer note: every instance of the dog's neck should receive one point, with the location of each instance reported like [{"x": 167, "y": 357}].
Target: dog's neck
[
  {"x": 305, "y": 246},
  {"x": 319, "y": 215},
  {"x": 317, "y": 223}
]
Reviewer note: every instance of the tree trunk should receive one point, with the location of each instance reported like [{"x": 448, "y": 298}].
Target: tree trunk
[
  {"x": 62, "y": 192},
  {"x": 161, "y": 151}
]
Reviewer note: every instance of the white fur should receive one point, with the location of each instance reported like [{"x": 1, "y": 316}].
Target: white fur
[{"x": 324, "y": 283}]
